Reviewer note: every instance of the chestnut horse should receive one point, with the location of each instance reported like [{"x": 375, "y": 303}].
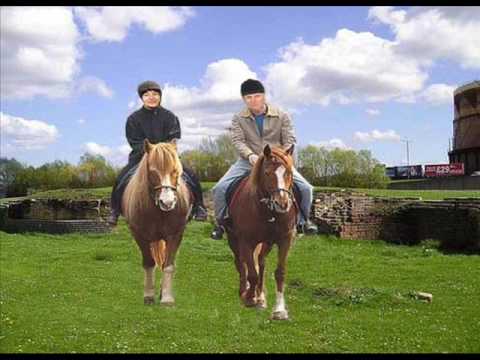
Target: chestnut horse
[
  {"x": 263, "y": 214},
  {"x": 156, "y": 204}
]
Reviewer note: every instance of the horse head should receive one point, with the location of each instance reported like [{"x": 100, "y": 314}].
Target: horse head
[
  {"x": 164, "y": 170},
  {"x": 276, "y": 178}
]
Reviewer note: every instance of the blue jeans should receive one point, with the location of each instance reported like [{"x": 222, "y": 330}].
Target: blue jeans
[{"x": 241, "y": 167}]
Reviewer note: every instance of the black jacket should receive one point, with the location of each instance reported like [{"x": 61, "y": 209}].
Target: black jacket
[{"x": 157, "y": 125}]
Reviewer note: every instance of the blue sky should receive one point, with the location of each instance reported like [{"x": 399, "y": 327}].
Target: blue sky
[{"x": 351, "y": 77}]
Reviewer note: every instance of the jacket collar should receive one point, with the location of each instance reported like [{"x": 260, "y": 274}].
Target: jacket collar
[
  {"x": 151, "y": 110},
  {"x": 271, "y": 111}
]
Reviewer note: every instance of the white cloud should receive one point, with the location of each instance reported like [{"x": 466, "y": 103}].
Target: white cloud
[
  {"x": 332, "y": 144},
  {"x": 23, "y": 134},
  {"x": 373, "y": 112},
  {"x": 376, "y": 135},
  {"x": 207, "y": 110},
  {"x": 39, "y": 54},
  {"x": 96, "y": 149},
  {"x": 360, "y": 66},
  {"x": 115, "y": 155},
  {"x": 428, "y": 34},
  {"x": 347, "y": 68},
  {"x": 94, "y": 85},
  {"x": 81, "y": 121},
  {"x": 438, "y": 94},
  {"x": 111, "y": 23},
  {"x": 135, "y": 104}
]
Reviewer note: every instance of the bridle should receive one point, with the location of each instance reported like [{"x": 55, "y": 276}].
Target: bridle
[
  {"x": 268, "y": 200},
  {"x": 154, "y": 188}
]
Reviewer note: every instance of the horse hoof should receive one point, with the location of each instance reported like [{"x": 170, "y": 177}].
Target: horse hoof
[
  {"x": 167, "y": 302},
  {"x": 148, "y": 300},
  {"x": 261, "y": 305},
  {"x": 280, "y": 315},
  {"x": 250, "y": 303}
]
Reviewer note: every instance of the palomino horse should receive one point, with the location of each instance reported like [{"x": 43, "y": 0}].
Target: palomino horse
[
  {"x": 263, "y": 214},
  {"x": 156, "y": 204}
]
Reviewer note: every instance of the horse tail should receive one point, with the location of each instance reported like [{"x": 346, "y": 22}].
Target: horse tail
[{"x": 157, "y": 249}]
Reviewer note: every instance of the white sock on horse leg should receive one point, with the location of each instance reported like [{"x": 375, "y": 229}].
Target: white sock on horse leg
[
  {"x": 149, "y": 282},
  {"x": 167, "y": 295},
  {"x": 280, "y": 302}
]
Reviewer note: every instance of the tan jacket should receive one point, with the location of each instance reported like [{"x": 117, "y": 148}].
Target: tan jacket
[{"x": 277, "y": 131}]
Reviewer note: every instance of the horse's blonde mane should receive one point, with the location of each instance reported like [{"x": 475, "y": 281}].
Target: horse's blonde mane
[{"x": 164, "y": 157}]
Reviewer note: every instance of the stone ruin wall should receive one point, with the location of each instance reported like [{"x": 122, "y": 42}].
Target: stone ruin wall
[
  {"x": 454, "y": 222},
  {"x": 55, "y": 216},
  {"x": 349, "y": 215}
]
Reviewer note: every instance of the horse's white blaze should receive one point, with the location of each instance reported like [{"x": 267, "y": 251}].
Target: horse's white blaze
[
  {"x": 279, "y": 302},
  {"x": 167, "y": 295},
  {"x": 167, "y": 195},
  {"x": 280, "y": 172},
  {"x": 281, "y": 181},
  {"x": 149, "y": 283}
]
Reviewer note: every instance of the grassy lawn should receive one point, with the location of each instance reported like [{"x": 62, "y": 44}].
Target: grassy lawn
[
  {"x": 84, "y": 293},
  {"x": 104, "y": 193}
]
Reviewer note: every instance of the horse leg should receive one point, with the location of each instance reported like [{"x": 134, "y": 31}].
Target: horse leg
[
  {"x": 252, "y": 276},
  {"x": 261, "y": 252},
  {"x": 149, "y": 286},
  {"x": 166, "y": 295},
  {"x": 239, "y": 265},
  {"x": 279, "y": 311},
  {"x": 149, "y": 274},
  {"x": 242, "y": 271}
]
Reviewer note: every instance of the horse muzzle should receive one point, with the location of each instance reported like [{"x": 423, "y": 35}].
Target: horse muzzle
[
  {"x": 281, "y": 201},
  {"x": 166, "y": 199},
  {"x": 282, "y": 207},
  {"x": 166, "y": 207}
]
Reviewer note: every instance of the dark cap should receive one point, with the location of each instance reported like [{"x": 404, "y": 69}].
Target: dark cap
[
  {"x": 251, "y": 86},
  {"x": 148, "y": 85}
]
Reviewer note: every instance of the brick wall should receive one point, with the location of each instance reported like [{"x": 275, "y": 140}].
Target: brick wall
[
  {"x": 55, "y": 216},
  {"x": 349, "y": 215},
  {"x": 454, "y": 222},
  {"x": 56, "y": 209},
  {"x": 55, "y": 226}
]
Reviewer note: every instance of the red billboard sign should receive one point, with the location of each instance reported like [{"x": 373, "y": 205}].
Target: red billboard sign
[{"x": 444, "y": 170}]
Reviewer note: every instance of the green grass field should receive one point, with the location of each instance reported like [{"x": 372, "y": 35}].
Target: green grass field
[
  {"x": 104, "y": 193},
  {"x": 84, "y": 293}
]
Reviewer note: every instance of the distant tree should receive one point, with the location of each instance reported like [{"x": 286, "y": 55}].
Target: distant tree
[
  {"x": 341, "y": 168},
  {"x": 55, "y": 175},
  {"x": 221, "y": 146},
  {"x": 9, "y": 170},
  {"x": 212, "y": 158},
  {"x": 95, "y": 171}
]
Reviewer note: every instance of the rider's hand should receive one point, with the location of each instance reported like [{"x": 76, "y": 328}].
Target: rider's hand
[{"x": 252, "y": 158}]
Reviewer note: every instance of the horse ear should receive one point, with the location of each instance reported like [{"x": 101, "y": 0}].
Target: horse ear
[
  {"x": 147, "y": 146},
  {"x": 267, "y": 151},
  {"x": 290, "y": 149}
]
